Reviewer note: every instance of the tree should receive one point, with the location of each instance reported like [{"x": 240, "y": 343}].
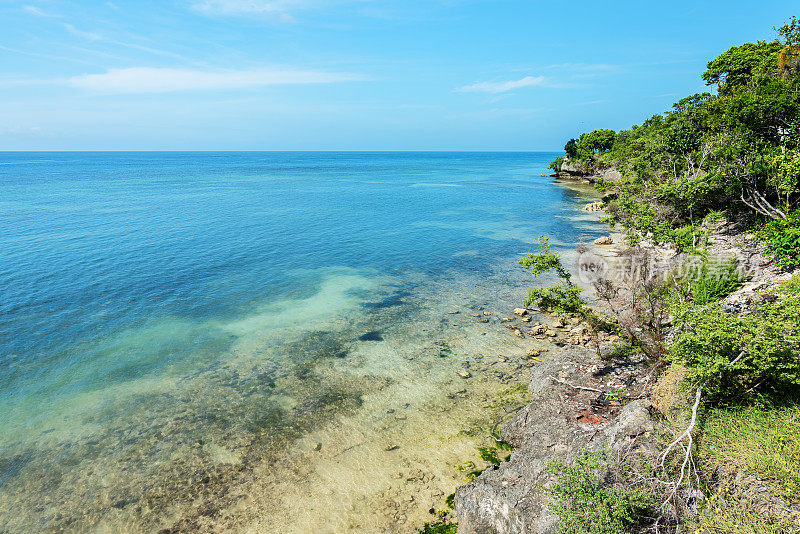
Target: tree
[
  {"x": 739, "y": 65},
  {"x": 597, "y": 141},
  {"x": 571, "y": 148}
]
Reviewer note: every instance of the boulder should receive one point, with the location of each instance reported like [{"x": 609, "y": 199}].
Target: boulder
[{"x": 605, "y": 240}]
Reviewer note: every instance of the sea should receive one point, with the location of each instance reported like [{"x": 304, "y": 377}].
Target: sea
[{"x": 261, "y": 341}]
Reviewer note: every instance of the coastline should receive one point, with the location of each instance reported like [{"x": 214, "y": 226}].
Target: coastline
[{"x": 583, "y": 400}]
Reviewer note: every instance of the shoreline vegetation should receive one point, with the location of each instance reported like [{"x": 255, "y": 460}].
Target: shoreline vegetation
[{"x": 671, "y": 404}]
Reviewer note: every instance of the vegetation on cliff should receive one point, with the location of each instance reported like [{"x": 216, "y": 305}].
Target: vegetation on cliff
[
  {"x": 735, "y": 154},
  {"x": 734, "y": 151}
]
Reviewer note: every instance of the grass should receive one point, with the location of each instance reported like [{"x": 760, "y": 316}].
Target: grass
[
  {"x": 740, "y": 519},
  {"x": 763, "y": 441}
]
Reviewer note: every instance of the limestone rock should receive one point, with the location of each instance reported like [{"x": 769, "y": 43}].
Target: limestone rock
[
  {"x": 593, "y": 206},
  {"x": 605, "y": 240}
]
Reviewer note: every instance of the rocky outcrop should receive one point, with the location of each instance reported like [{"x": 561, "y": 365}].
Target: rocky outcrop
[
  {"x": 570, "y": 171},
  {"x": 567, "y": 415},
  {"x": 593, "y": 206}
]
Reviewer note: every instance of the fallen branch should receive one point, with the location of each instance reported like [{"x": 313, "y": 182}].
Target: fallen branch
[
  {"x": 688, "y": 460},
  {"x": 576, "y": 387}
]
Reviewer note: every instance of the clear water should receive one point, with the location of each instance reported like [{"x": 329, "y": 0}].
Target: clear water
[{"x": 180, "y": 331}]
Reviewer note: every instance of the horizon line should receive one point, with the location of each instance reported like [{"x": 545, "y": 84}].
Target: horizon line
[{"x": 280, "y": 151}]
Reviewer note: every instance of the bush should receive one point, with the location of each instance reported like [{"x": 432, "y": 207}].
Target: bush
[
  {"x": 556, "y": 163},
  {"x": 715, "y": 281},
  {"x": 562, "y": 298},
  {"x": 585, "y": 503},
  {"x": 710, "y": 340},
  {"x": 782, "y": 238},
  {"x": 712, "y": 281}
]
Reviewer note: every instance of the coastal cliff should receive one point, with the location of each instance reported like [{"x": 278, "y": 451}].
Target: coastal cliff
[
  {"x": 565, "y": 418},
  {"x": 572, "y": 411}
]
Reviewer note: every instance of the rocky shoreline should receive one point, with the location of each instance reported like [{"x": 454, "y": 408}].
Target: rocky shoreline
[{"x": 573, "y": 407}]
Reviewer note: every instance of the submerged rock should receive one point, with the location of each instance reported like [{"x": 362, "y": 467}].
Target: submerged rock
[{"x": 371, "y": 336}]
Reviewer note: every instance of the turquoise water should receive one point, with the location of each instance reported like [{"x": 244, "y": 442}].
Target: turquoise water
[{"x": 156, "y": 303}]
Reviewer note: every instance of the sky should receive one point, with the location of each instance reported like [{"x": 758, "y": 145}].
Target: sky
[{"x": 352, "y": 74}]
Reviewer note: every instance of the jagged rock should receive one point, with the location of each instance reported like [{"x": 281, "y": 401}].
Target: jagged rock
[
  {"x": 511, "y": 498},
  {"x": 520, "y": 311},
  {"x": 464, "y": 374},
  {"x": 593, "y": 206},
  {"x": 538, "y": 329},
  {"x": 605, "y": 240}
]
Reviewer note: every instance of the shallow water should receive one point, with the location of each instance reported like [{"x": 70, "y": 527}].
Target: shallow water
[{"x": 259, "y": 341}]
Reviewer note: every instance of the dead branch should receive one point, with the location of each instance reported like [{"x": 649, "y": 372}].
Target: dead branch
[{"x": 575, "y": 387}]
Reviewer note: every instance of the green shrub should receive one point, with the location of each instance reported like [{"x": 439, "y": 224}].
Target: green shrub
[
  {"x": 782, "y": 238},
  {"x": 556, "y": 163},
  {"x": 710, "y": 340},
  {"x": 585, "y": 503},
  {"x": 563, "y": 297},
  {"x": 713, "y": 281}
]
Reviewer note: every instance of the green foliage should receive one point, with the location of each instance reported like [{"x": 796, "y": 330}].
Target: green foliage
[
  {"x": 563, "y": 297},
  {"x": 488, "y": 454},
  {"x": 782, "y": 238},
  {"x": 556, "y": 163},
  {"x": 560, "y": 299},
  {"x": 596, "y": 141},
  {"x": 738, "y": 150},
  {"x": 710, "y": 340},
  {"x": 544, "y": 261},
  {"x": 790, "y": 32},
  {"x": 571, "y": 148},
  {"x": 585, "y": 503},
  {"x": 713, "y": 281},
  {"x": 740, "y": 64}
]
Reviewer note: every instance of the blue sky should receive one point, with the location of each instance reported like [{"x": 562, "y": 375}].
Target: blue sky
[{"x": 352, "y": 74}]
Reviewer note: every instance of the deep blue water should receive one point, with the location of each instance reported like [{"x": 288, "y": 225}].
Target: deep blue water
[{"x": 117, "y": 267}]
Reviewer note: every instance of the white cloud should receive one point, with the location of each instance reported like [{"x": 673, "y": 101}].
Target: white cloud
[
  {"x": 33, "y": 10},
  {"x": 163, "y": 80},
  {"x": 504, "y": 86},
  {"x": 268, "y": 8},
  {"x": 80, "y": 33}
]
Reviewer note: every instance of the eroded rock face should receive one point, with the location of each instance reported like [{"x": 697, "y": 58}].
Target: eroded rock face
[{"x": 510, "y": 499}]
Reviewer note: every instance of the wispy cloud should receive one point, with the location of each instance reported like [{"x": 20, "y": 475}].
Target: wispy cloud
[
  {"x": 279, "y": 9},
  {"x": 33, "y": 10},
  {"x": 164, "y": 80},
  {"x": 80, "y": 33},
  {"x": 504, "y": 86}
]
